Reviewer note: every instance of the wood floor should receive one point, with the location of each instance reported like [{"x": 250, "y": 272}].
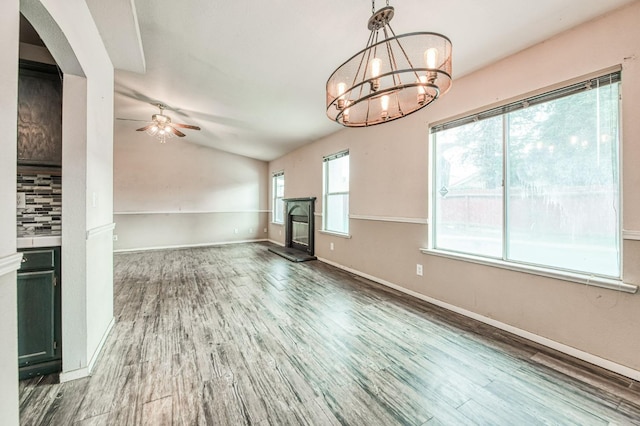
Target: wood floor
[{"x": 236, "y": 335}]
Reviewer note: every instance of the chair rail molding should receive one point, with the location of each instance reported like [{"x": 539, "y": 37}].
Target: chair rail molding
[
  {"x": 10, "y": 263},
  {"x": 630, "y": 235},
  {"x": 396, "y": 219},
  {"x": 93, "y": 232}
]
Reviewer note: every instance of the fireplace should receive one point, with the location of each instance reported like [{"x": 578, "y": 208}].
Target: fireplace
[{"x": 299, "y": 230}]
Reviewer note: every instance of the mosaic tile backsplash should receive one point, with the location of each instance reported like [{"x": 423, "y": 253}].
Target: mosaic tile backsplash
[{"x": 43, "y": 200}]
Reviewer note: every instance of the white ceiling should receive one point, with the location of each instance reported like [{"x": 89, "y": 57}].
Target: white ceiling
[{"x": 252, "y": 73}]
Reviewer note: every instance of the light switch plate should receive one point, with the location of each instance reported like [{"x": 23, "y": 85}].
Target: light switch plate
[{"x": 21, "y": 201}]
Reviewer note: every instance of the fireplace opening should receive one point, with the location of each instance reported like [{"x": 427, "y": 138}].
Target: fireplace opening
[{"x": 299, "y": 230}]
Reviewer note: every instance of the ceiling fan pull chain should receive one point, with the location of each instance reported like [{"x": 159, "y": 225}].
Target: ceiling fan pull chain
[{"x": 373, "y": 6}]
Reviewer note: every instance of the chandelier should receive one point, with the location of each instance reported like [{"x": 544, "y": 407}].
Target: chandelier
[{"x": 389, "y": 78}]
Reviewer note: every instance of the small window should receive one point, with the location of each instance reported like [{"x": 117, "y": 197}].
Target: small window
[
  {"x": 278, "y": 195},
  {"x": 534, "y": 182},
  {"x": 336, "y": 193}
]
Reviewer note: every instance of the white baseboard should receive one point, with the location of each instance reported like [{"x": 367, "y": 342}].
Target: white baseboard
[
  {"x": 67, "y": 376},
  {"x": 560, "y": 347},
  {"x": 80, "y": 373},
  {"x": 276, "y": 243},
  {"x": 222, "y": 243}
]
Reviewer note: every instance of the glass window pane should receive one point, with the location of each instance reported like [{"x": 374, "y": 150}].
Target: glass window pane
[
  {"x": 278, "y": 194},
  {"x": 278, "y": 212},
  {"x": 468, "y": 193},
  {"x": 563, "y": 204},
  {"x": 279, "y": 186},
  {"x": 337, "y": 213},
  {"x": 338, "y": 179}
]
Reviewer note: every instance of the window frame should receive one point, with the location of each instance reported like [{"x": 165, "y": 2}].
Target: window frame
[
  {"x": 325, "y": 192},
  {"x": 541, "y": 96},
  {"x": 274, "y": 199}
]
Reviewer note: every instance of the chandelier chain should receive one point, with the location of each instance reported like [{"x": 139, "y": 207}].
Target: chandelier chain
[{"x": 373, "y": 6}]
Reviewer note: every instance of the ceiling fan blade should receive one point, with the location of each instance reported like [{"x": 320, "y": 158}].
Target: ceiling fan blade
[
  {"x": 175, "y": 131},
  {"x": 145, "y": 128},
  {"x": 186, "y": 126},
  {"x": 130, "y": 119}
]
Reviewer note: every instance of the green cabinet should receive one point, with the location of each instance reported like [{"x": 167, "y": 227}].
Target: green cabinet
[{"x": 39, "y": 331}]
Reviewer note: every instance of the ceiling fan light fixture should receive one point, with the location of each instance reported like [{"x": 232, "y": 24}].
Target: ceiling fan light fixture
[
  {"x": 392, "y": 77},
  {"x": 162, "y": 128}
]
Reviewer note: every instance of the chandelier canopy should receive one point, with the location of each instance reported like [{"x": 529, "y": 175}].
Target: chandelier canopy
[{"x": 389, "y": 78}]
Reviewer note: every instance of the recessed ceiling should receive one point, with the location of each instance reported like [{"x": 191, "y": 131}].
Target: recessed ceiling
[{"x": 252, "y": 73}]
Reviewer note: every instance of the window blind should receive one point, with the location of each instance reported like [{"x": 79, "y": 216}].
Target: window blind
[
  {"x": 335, "y": 156},
  {"x": 533, "y": 100}
]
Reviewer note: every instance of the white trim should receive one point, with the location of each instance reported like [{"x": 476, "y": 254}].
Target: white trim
[
  {"x": 179, "y": 246},
  {"x": 420, "y": 221},
  {"x": 276, "y": 242},
  {"x": 31, "y": 242},
  {"x": 67, "y": 376},
  {"x": 94, "y": 232},
  {"x": 80, "y": 373},
  {"x": 335, "y": 234},
  {"x": 630, "y": 235},
  {"x": 277, "y": 223},
  {"x": 190, "y": 212},
  {"x": 561, "y": 347},
  {"x": 10, "y": 263},
  {"x": 574, "y": 277},
  {"x": 317, "y": 214}
]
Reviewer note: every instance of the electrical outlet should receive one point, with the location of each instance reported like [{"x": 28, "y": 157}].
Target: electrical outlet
[
  {"x": 331, "y": 246},
  {"x": 280, "y": 232},
  {"x": 419, "y": 269},
  {"x": 235, "y": 230},
  {"x": 21, "y": 201},
  {"x": 115, "y": 237},
  {"x": 265, "y": 230}
]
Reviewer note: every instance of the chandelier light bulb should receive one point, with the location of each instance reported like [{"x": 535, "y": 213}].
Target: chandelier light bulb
[
  {"x": 342, "y": 87},
  {"x": 345, "y": 115},
  {"x": 376, "y": 66},
  {"x": 431, "y": 57},
  {"x": 422, "y": 92},
  {"x": 384, "y": 104},
  {"x": 431, "y": 60}
]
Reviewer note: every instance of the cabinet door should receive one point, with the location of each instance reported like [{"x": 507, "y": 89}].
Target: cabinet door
[{"x": 36, "y": 307}]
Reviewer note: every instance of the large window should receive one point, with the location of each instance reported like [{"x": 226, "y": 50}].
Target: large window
[
  {"x": 534, "y": 182},
  {"x": 278, "y": 195},
  {"x": 336, "y": 193}
]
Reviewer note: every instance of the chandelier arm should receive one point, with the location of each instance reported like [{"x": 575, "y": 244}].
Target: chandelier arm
[
  {"x": 404, "y": 52},
  {"x": 392, "y": 59},
  {"x": 374, "y": 42},
  {"x": 364, "y": 70}
]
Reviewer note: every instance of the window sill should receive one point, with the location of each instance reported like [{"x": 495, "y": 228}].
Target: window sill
[
  {"x": 277, "y": 223},
  {"x": 586, "y": 279},
  {"x": 335, "y": 234}
]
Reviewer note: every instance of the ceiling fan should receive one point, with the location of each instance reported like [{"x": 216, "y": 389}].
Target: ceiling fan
[{"x": 162, "y": 128}]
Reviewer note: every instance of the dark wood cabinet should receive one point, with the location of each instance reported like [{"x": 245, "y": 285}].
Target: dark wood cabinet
[
  {"x": 39, "y": 115},
  {"x": 39, "y": 330}
]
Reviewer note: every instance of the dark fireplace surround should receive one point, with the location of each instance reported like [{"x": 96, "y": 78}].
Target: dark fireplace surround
[{"x": 299, "y": 230}]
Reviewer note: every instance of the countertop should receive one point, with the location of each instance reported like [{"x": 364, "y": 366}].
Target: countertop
[{"x": 33, "y": 241}]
